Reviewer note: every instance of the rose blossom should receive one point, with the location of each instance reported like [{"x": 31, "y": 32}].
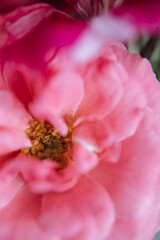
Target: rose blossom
[{"x": 96, "y": 112}]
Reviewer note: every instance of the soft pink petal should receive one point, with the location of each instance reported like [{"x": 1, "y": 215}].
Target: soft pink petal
[
  {"x": 19, "y": 219},
  {"x": 84, "y": 213},
  {"x": 134, "y": 64},
  {"x": 23, "y": 81},
  {"x": 60, "y": 97},
  {"x": 9, "y": 188},
  {"x": 85, "y": 159},
  {"x": 150, "y": 84},
  {"x": 94, "y": 138},
  {"x": 133, "y": 180},
  {"x": 96, "y": 134},
  {"x": 143, "y": 228},
  {"x": 12, "y": 140},
  {"x": 13, "y": 114},
  {"x": 103, "y": 88},
  {"x": 127, "y": 115},
  {"x": 43, "y": 175},
  {"x": 112, "y": 153}
]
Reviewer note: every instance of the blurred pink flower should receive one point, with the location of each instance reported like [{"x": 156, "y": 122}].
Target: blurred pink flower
[
  {"x": 103, "y": 104},
  {"x": 126, "y": 20},
  {"x": 144, "y": 14},
  {"x": 120, "y": 19},
  {"x": 89, "y": 8}
]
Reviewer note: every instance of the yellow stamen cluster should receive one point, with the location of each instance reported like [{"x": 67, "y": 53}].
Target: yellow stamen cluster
[{"x": 48, "y": 143}]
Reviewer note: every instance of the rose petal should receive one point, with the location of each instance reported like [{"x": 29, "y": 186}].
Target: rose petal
[
  {"x": 85, "y": 212},
  {"x": 61, "y": 96},
  {"x": 42, "y": 176},
  {"x": 17, "y": 117},
  {"x": 96, "y": 134},
  {"x": 103, "y": 89},
  {"x": 85, "y": 159},
  {"x": 132, "y": 181},
  {"x": 12, "y": 140},
  {"x": 134, "y": 64},
  {"x": 127, "y": 115},
  {"x": 23, "y": 81},
  {"x": 9, "y": 191},
  {"x": 19, "y": 220},
  {"x": 112, "y": 153}
]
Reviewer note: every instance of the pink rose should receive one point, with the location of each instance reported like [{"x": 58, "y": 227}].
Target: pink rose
[
  {"x": 143, "y": 14},
  {"x": 79, "y": 127}
]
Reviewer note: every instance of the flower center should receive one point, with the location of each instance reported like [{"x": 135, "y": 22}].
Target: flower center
[{"x": 48, "y": 143}]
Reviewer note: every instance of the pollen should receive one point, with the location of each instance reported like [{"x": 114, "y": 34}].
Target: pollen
[{"x": 48, "y": 143}]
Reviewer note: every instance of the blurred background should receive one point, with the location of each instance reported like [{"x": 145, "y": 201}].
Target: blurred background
[{"x": 157, "y": 236}]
